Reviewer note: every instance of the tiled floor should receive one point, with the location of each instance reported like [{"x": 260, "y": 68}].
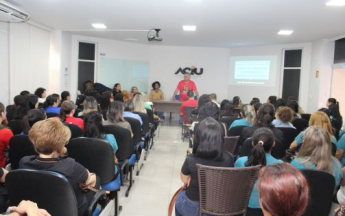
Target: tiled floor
[{"x": 160, "y": 176}]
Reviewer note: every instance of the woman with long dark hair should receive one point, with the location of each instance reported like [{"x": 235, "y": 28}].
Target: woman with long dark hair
[
  {"x": 209, "y": 139},
  {"x": 31, "y": 118},
  {"x": 263, "y": 141}
]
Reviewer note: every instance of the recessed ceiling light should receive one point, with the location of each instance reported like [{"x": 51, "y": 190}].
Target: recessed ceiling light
[
  {"x": 189, "y": 28},
  {"x": 285, "y": 32},
  {"x": 338, "y": 3},
  {"x": 99, "y": 26}
]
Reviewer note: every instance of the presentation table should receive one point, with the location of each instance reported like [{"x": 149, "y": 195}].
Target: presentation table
[{"x": 167, "y": 106}]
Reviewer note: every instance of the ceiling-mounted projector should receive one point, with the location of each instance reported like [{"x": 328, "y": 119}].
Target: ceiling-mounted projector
[
  {"x": 8, "y": 13},
  {"x": 154, "y": 37}
]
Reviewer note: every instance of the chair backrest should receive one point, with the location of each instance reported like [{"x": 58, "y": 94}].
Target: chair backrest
[
  {"x": 230, "y": 143},
  {"x": 51, "y": 191},
  {"x": 225, "y": 191},
  {"x": 289, "y": 136},
  {"x": 277, "y": 151},
  {"x": 321, "y": 186},
  {"x": 228, "y": 120},
  {"x": 236, "y": 131},
  {"x": 76, "y": 131},
  {"x": 306, "y": 116},
  {"x": 136, "y": 129},
  {"x": 150, "y": 115},
  {"x": 20, "y": 146},
  {"x": 52, "y": 115},
  {"x": 187, "y": 113},
  {"x": 96, "y": 155},
  {"x": 145, "y": 126},
  {"x": 300, "y": 124},
  {"x": 16, "y": 126},
  {"x": 123, "y": 139}
]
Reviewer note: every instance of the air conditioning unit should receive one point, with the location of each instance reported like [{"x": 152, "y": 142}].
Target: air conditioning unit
[{"x": 8, "y": 13}]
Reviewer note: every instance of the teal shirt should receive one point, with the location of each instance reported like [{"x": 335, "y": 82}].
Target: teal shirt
[
  {"x": 341, "y": 145},
  {"x": 299, "y": 139},
  {"x": 338, "y": 172},
  {"x": 112, "y": 141},
  {"x": 240, "y": 122},
  {"x": 254, "y": 196}
]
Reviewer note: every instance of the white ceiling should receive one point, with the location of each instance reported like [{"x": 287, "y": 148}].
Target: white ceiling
[{"x": 220, "y": 23}]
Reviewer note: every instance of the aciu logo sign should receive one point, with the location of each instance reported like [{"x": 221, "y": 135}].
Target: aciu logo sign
[{"x": 190, "y": 70}]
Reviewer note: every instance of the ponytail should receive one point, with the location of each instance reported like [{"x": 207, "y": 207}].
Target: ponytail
[
  {"x": 257, "y": 156},
  {"x": 66, "y": 109}
]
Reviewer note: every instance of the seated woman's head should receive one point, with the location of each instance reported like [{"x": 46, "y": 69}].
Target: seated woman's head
[
  {"x": 317, "y": 149},
  {"x": 248, "y": 113},
  {"x": 65, "y": 95},
  {"x": 254, "y": 101},
  {"x": 67, "y": 108},
  {"x": 285, "y": 114},
  {"x": 203, "y": 99},
  {"x": 265, "y": 116},
  {"x": 105, "y": 99},
  {"x": 80, "y": 100},
  {"x": 283, "y": 190},
  {"x": 156, "y": 85},
  {"x": 49, "y": 136},
  {"x": 31, "y": 118},
  {"x": 208, "y": 139},
  {"x": 115, "y": 112},
  {"x": 293, "y": 104},
  {"x": 134, "y": 89},
  {"x": 138, "y": 101},
  {"x": 41, "y": 92},
  {"x": 209, "y": 109},
  {"x": 236, "y": 101},
  {"x": 227, "y": 109},
  {"x": 90, "y": 104},
  {"x": 51, "y": 100},
  {"x": 321, "y": 119},
  {"x": 272, "y": 99},
  {"x": 262, "y": 141},
  {"x": 93, "y": 125},
  {"x": 125, "y": 95},
  {"x": 128, "y": 105}
]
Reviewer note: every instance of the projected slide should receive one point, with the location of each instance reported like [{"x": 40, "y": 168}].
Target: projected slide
[{"x": 252, "y": 70}]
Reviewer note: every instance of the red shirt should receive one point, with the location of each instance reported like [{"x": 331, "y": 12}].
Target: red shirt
[
  {"x": 188, "y": 103},
  {"x": 184, "y": 87},
  {"x": 77, "y": 121},
  {"x": 5, "y": 136}
]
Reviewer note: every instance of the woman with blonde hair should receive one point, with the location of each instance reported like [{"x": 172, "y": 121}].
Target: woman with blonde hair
[
  {"x": 138, "y": 102},
  {"x": 316, "y": 153},
  {"x": 248, "y": 114},
  {"x": 320, "y": 119},
  {"x": 90, "y": 105}
]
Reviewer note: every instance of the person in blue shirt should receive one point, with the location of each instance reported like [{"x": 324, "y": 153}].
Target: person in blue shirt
[
  {"x": 247, "y": 114},
  {"x": 51, "y": 105},
  {"x": 320, "y": 119},
  {"x": 263, "y": 141},
  {"x": 315, "y": 153},
  {"x": 284, "y": 117},
  {"x": 128, "y": 112},
  {"x": 94, "y": 129}
]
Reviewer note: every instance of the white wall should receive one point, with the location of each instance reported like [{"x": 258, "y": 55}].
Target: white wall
[
  {"x": 4, "y": 64},
  {"x": 247, "y": 93}
]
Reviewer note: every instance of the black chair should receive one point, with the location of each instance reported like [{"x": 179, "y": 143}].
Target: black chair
[
  {"x": 16, "y": 126},
  {"x": 306, "y": 116},
  {"x": 230, "y": 144},
  {"x": 52, "y": 115},
  {"x": 20, "y": 146},
  {"x": 125, "y": 154},
  {"x": 300, "y": 124},
  {"x": 50, "y": 190},
  {"x": 289, "y": 136},
  {"x": 145, "y": 132},
  {"x": 277, "y": 151},
  {"x": 228, "y": 120},
  {"x": 153, "y": 124},
  {"x": 76, "y": 131},
  {"x": 97, "y": 156},
  {"x": 236, "y": 131},
  {"x": 321, "y": 188}
]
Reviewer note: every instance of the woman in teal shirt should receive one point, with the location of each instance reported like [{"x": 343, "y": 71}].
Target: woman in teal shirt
[
  {"x": 247, "y": 114},
  {"x": 263, "y": 141},
  {"x": 315, "y": 153}
]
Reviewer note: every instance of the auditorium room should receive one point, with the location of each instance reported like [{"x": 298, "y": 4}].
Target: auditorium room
[{"x": 172, "y": 107}]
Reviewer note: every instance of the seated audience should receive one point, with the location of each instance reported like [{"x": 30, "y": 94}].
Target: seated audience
[
  {"x": 191, "y": 102},
  {"x": 94, "y": 129},
  {"x": 24, "y": 92},
  {"x": 315, "y": 153},
  {"x": 294, "y": 106},
  {"x": 316, "y": 119},
  {"x": 227, "y": 109},
  {"x": 49, "y": 138},
  {"x": 118, "y": 97},
  {"x": 58, "y": 98},
  {"x": 22, "y": 107},
  {"x": 156, "y": 93},
  {"x": 115, "y": 116},
  {"x": 31, "y": 118},
  {"x": 213, "y": 98},
  {"x": 257, "y": 106},
  {"x": 247, "y": 117},
  {"x": 5, "y": 136},
  {"x": 65, "y": 95},
  {"x": 128, "y": 111},
  {"x": 263, "y": 141},
  {"x": 335, "y": 116},
  {"x": 254, "y": 101},
  {"x": 208, "y": 140},
  {"x": 236, "y": 102},
  {"x": 41, "y": 94},
  {"x": 210, "y": 109},
  {"x": 117, "y": 89},
  {"x": 138, "y": 102},
  {"x": 67, "y": 112},
  {"x": 272, "y": 100},
  {"x": 280, "y": 103},
  {"x": 51, "y": 105},
  {"x": 263, "y": 118},
  {"x": 284, "y": 117},
  {"x": 89, "y": 105},
  {"x": 106, "y": 98},
  {"x": 125, "y": 95},
  {"x": 134, "y": 90},
  {"x": 32, "y": 101},
  {"x": 283, "y": 190},
  {"x": 203, "y": 99}
]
